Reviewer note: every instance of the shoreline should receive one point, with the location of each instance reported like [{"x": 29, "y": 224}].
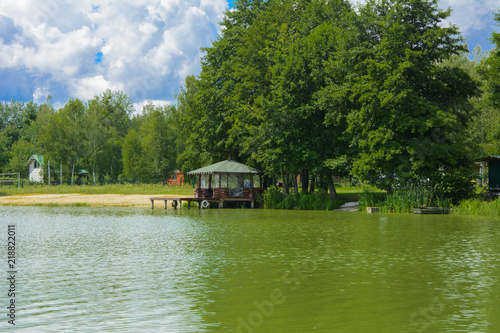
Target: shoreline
[{"x": 79, "y": 199}]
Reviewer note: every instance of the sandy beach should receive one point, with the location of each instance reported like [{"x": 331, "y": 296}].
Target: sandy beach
[{"x": 95, "y": 200}]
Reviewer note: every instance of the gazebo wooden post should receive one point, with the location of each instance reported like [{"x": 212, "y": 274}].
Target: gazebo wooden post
[
  {"x": 220, "y": 180},
  {"x": 199, "y": 180},
  {"x": 251, "y": 180},
  {"x": 210, "y": 181}
]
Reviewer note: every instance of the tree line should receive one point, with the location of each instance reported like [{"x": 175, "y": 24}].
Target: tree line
[
  {"x": 382, "y": 92},
  {"x": 102, "y": 136}
]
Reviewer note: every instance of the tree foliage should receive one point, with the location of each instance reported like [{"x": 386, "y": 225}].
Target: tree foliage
[{"x": 316, "y": 87}]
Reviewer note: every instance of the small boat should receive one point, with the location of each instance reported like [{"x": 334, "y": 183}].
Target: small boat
[{"x": 431, "y": 210}]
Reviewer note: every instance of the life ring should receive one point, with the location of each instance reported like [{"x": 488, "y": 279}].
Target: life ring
[
  {"x": 205, "y": 204},
  {"x": 174, "y": 204}
]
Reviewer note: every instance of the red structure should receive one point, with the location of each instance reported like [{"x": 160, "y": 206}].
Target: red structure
[{"x": 177, "y": 179}]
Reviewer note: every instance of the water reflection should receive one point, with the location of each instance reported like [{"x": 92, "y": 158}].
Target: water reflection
[{"x": 129, "y": 270}]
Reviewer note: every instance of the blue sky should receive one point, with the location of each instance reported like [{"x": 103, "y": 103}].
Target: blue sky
[{"x": 146, "y": 48}]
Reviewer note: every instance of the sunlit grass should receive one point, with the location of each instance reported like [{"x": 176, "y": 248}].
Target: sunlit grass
[{"x": 186, "y": 190}]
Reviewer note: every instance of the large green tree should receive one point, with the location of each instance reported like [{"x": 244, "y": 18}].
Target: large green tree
[
  {"x": 490, "y": 67},
  {"x": 256, "y": 98},
  {"x": 411, "y": 110}
]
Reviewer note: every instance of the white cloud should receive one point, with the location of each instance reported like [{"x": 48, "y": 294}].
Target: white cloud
[
  {"x": 78, "y": 48},
  {"x": 140, "y": 106},
  {"x": 472, "y": 16}
]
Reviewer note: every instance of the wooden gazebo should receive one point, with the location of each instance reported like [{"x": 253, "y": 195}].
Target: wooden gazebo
[{"x": 227, "y": 179}]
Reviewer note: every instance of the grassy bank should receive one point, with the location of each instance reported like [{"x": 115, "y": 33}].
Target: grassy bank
[
  {"x": 99, "y": 189},
  {"x": 478, "y": 207}
]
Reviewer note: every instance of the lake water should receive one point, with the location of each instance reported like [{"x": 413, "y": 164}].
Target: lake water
[{"x": 137, "y": 270}]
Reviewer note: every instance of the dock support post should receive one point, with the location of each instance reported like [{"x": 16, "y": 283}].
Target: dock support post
[
  {"x": 152, "y": 204},
  {"x": 165, "y": 203},
  {"x": 189, "y": 204}
]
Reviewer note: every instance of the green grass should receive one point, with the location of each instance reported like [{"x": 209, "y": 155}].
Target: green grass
[
  {"x": 186, "y": 190},
  {"x": 478, "y": 207}
]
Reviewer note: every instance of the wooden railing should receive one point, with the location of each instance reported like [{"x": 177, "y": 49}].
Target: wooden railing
[{"x": 217, "y": 193}]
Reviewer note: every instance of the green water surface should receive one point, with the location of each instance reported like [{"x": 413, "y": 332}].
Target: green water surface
[{"x": 237, "y": 270}]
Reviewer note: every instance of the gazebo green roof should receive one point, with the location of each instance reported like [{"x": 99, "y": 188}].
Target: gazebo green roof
[{"x": 227, "y": 166}]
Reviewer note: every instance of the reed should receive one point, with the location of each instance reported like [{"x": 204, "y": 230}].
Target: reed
[
  {"x": 404, "y": 197},
  {"x": 478, "y": 207}
]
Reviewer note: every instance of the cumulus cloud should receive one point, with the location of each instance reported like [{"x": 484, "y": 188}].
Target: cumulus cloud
[
  {"x": 472, "y": 16},
  {"x": 79, "y": 48}
]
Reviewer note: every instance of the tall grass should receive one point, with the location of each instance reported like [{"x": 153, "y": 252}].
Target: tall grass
[
  {"x": 478, "y": 207},
  {"x": 404, "y": 198}
]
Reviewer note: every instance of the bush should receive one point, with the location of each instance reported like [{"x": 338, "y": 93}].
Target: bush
[
  {"x": 274, "y": 198},
  {"x": 456, "y": 184}
]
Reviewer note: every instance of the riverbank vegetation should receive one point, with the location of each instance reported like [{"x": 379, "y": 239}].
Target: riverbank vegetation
[
  {"x": 404, "y": 197},
  {"x": 186, "y": 190},
  {"x": 274, "y": 198},
  {"x": 478, "y": 207},
  {"x": 383, "y": 92}
]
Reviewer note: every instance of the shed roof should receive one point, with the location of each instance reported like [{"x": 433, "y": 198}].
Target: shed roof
[
  {"x": 488, "y": 158},
  {"x": 227, "y": 166},
  {"x": 38, "y": 158}
]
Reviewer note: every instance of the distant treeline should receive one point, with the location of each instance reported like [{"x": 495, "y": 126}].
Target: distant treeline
[
  {"x": 102, "y": 136},
  {"x": 383, "y": 93}
]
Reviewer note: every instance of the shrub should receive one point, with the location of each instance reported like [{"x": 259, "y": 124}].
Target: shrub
[
  {"x": 273, "y": 198},
  {"x": 320, "y": 200},
  {"x": 455, "y": 184}
]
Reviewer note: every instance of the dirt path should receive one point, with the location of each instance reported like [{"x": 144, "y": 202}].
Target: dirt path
[{"x": 95, "y": 200}]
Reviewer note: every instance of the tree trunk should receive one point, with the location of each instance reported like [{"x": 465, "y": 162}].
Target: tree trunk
[
  {"x": 48, "y": 167},
  {"x": 60, "y": 176},
  {"x": 313, "y": 184},
  {"x": 295, "y": 184},
  {"x": 331, "y": 187},
  {"x": 93, "y": 175},
  {"x": 72, "y": 174},
  {"x": 266, "y": 182},
  {"x": 304, "y": 179},
  {"x": 284, "y": 180}
]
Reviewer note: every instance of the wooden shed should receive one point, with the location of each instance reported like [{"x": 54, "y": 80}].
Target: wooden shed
[
  {"x": 35, "y": 168},
  {"x": 227, "y": 179}
]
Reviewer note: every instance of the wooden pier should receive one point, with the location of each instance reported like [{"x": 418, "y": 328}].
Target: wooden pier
[{"x": 177, "y": 202}]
